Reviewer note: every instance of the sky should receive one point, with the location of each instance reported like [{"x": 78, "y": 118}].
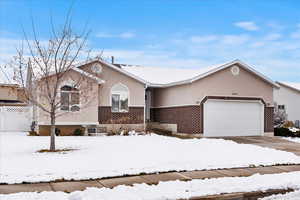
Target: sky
[{"x": 170, "y": 33}]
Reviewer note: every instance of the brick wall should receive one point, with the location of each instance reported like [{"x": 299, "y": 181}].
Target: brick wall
[
  {"x": 134, "y": 116},
  {"x": 269, "y": 119},
  {"x": 187, "y": 118}
]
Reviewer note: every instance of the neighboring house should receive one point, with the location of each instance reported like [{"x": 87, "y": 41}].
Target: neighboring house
[
  {"x": 287, "y": 99},
  {"x": 231, "y": 99},
  {"x": 15, "y": 115}
]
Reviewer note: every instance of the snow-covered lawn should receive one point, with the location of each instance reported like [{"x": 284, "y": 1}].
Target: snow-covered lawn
[
  {"x": 292, "y": 139},
  {"x": 98, "y": 157},
  {"x": 288, "y": 196},
  {"x": 173, "y": 189}
]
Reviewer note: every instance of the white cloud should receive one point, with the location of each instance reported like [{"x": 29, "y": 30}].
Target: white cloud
[
  {"x": 127, "y": 35},
  {"x": 124, "y": 35},
  {"x": 296, "y": 34},
  {"x": 257, "y": 44},
  {"x": 104, "y": 35},
  {"x": 247, "y": 25},
  {"x": 272, "y": 36},
  {"x": 273, "y": 54},
  {"x": 203, "y": 39},
  {"x": 275, "y": 26},
  {"x": 235, "y": 39}
]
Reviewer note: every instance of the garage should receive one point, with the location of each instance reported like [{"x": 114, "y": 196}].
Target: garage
[{"x": 233, "y": 118}]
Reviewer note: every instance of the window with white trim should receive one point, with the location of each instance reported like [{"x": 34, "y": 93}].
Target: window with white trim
[
  {"x": 119, "y": 98},
  {"x": 281, "y": 107},
  {"x": 69, "y": 99}
]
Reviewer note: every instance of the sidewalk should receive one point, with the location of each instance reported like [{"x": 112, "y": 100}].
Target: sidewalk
[{"x": 70, "y": 186}]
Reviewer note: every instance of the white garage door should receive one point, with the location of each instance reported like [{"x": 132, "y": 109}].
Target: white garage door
[
  {"x": 15, "y": 118},
  {"x": 233, "y": 118}
]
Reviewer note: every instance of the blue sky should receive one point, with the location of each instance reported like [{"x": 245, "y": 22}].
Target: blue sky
[{"x": 172, "y": 33}]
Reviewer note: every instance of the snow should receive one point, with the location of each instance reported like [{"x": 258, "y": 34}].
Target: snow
[
  {"x": 160, "y": 75},
  {"x": 294, "y": 130},
  {"x": 108, "y": 156},
  {"x": 288, "y": 196},
  {"x": 174, "y": 189}
]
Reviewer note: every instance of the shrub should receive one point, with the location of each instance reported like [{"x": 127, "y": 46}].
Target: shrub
[
  {"x": 78, "y": 132},
  {"x": 288, "y": 124},
  {"x": 32, "y": 133},
  {"x": 57, "y": 132},
  {"x": 285, "y": 132}
]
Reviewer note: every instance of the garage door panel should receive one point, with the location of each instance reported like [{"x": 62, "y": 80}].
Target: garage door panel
[
  {"x": 15, "y": 118},
  {"x": 230, "y": 118}
]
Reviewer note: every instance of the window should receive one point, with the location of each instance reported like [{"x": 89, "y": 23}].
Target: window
[
  {"x": 281, "y": 107},
  {"x": 119, "y": 98},
  {"x": 69, "y": 98}
]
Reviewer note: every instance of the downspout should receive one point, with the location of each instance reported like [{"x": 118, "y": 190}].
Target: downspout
[{"x": 146, "y": 86}]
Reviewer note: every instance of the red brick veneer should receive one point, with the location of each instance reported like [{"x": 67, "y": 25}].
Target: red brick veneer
[
  {"x": 269, "y": 119},
  {"x": 187, "y": 118},
  {"x": 134, "y": 116}
]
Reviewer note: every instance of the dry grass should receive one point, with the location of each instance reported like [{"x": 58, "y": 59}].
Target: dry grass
[
  {"x": 55, "y": 151},
  {"x": 170, "y": 134}
]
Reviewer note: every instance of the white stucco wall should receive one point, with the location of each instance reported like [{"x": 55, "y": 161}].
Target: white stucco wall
[{"x": 291, "y": 99}]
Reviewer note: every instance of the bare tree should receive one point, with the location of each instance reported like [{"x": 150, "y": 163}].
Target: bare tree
[
  {"x": 280, "y": 116},
  {"x": 46, "y": 64}
]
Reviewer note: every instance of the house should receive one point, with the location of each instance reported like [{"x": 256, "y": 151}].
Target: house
[
  {"x": 13, "y": 109},
  {"x": 231, "y": 99},
  {"x": 287, "y": 99}
]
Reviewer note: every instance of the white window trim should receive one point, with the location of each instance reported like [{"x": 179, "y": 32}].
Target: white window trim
[{"x": 111, "y": 93}]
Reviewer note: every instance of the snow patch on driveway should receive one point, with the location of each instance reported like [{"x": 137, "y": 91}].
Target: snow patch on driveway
[{"x": 99, "y": 157}]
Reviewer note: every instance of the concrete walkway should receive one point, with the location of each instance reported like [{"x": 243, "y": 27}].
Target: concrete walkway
[
  {"x": 70, "y": 186},
  {"x": 271, "y": 142}
]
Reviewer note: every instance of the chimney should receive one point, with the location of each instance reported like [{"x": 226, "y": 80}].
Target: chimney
[{"x": 112, "y": 60}]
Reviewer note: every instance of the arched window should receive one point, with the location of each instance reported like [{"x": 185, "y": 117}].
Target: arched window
[
  {"x": 119, "y": 98},
  {"x": 69, "y": 98}
]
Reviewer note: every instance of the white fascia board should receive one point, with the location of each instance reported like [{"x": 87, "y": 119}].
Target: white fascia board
[
  {"x": 113, "y": 67},
  {"x": 99, "y": 81},
  {"x": 287, "y": 86},
  {"x": 124, "y": 72}
]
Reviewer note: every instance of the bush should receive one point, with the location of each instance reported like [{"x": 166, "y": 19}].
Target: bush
[
  {"x": 78, "y": 132},
  {"x": 32, "y": 133},
  {"x": 285, "y": 132},
  {"x": 57, "y": 132},
  {"x": 288, "y": 124}
]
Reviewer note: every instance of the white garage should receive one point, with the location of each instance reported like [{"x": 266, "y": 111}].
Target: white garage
[
  {"x": 15, "y": 118},
  {"x": 233, "y": 118}
]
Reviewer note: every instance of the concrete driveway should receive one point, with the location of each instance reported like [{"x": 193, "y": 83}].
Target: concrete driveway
[{"x": 271, "y": 142}]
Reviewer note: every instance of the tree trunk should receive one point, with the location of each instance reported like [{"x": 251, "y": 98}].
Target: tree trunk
[{"x": 52, "y": 137}]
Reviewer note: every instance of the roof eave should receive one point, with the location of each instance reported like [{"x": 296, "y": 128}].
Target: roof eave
[
  {"x": 91, "y": 76},
  {"x": 288, "y": 86},
  {"x": 233, "y": 63},
  {"x": 117, "y": 69}
]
